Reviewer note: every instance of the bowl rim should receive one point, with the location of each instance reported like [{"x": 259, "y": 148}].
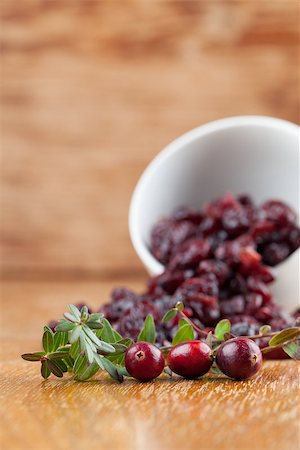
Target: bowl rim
[{"x": 140, "y": 247}]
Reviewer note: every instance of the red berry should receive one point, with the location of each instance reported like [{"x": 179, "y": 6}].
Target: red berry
[
  {"x": 239, "y": 358},
  {"x": 191, "y": 359},
  {"x": 144, "y": 361}
]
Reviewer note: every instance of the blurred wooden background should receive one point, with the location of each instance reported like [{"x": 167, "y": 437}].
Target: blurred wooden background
[{"x": 92, "y": 90}]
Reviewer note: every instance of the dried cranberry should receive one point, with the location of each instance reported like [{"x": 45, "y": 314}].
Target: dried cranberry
[
  {"x": 168, "y": 281},
  {"x": 235, "y": 305},
  {"x": 218, "y": 268},
  {"x": 245, "y": 200},
  {"x": 259, "y": 287},
  {"x": 274, "y": 253},
  {"x": 187, "y": 213},
  {"x": 166, "y": 234},
  {"x": 235, "y": 221},
  {"x": 262, "y": 231},
  {"x": 189, "y": 254},
  {"x": 278, "y": 212}
]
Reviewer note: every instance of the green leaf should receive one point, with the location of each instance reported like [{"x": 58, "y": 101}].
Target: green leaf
[
  {"x": 101, "y": 345},
  {"x": 45, "y": 372},
  {"x": 84, "y": 313},
  {"x": 95, "y": 317},
  {"x": 293, "y": 349},
  {"x": 74, "y": 334},
  {"x": 65, "y": 326},
  {"x": 209, "y": 339},
  {"x": 70, "y": 317},
  {"x": 89, "y": 372},
  {"x": 170, "y": 315},
  {"x": 62, "y": 365},
  {"x": 75, "y": 312},
  {"x": 185, "y": 333},
  {"x": 59, "y": 339},
  {"x": 112, "y": 370},
  {"x": 80, "y": 364},
  {"x": 90, "y": 353},
  {"x": 48, "y": 340},
  {"x": 222, "y": 327},
  {"x": 148, "y": 332},
  {"x": 284, "y": 336},
  {"x": 123, "y": 371},
  {"x": 54, "y": 368},
  {"x": 119, "y": 348},
  {"x": 74, "y": 349},
  {"x": 127, "y": 342},
  {"x": 33, "y": 356},
  {"x": 118, "y": 359},
  {"x": 94, "y": 325},
  {"x": 182, "y": 322},
  {"x": 108, "y": 334},
  {"x": 215, "y": 369},
  {"x": 57, "y": 355}
]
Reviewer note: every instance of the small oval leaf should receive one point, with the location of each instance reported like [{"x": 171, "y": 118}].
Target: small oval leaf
[
  {"x": 33, "y": 356},
  {"x": 45, "y": 372},
  {"x": 184, "y": 334},
  {"x": 48, "y": 341},
  {"x": 54, "y": 368},
  {"x": 222, "y": 327},
  {"x": 169, "y": 315},
  {"x": 284, "y": 336},
  {"x": 148, "y": 332}
]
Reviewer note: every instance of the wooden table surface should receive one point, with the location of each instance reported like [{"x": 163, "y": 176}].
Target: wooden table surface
[
  {"x": 91, "y": 91},
  {"x": 211, "y": 413}
]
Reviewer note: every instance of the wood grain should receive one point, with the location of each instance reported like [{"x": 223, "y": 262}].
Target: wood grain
[
  {"x": 92, "y": 90},
  {"x": 211, "y": 413}
]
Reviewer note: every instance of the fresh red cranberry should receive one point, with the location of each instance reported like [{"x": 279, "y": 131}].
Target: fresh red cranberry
[
  {"x": 190, "y": 359},
  {"x": 144, "y": 361},
  {"x": 239, "y": 358}
]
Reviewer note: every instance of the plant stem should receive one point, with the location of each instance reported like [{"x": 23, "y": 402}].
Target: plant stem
[{"x": 196, "y": 328}]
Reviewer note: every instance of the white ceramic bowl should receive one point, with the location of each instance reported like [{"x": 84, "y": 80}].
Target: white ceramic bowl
[{"x": 246, "y": 154}]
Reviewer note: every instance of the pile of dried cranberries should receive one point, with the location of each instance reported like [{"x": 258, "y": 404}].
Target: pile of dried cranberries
[{"x": 217, "y": 262}]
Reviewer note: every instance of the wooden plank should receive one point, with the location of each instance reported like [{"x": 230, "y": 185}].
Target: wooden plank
[
  {"x": 92, "y": 90},
  {"x": 213, "y": 412}
]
